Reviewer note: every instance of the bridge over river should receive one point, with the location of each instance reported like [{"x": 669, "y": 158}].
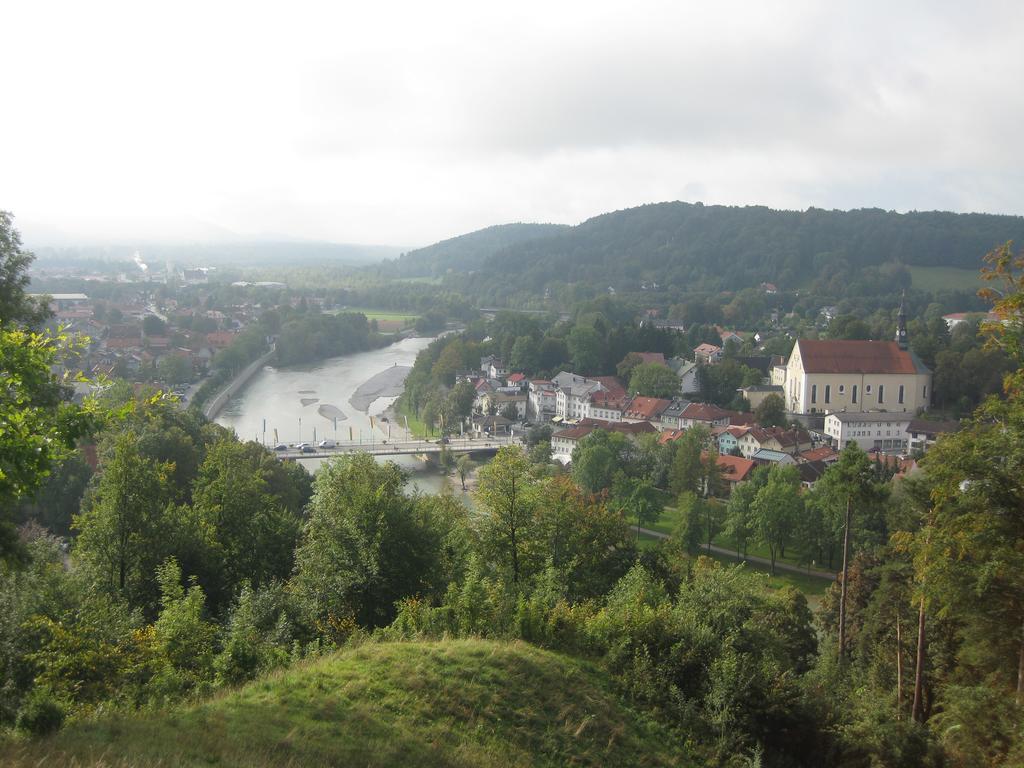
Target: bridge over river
[{"x": 401, "y": 447}]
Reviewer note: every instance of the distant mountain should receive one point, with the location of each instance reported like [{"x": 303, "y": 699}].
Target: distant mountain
[
  {"x": 239, "y": 253},
  {"x": 685, "y": 246},
  {"x": 468, "y": 252}
]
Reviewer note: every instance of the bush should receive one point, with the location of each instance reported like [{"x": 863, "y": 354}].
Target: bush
[{"x": 41, "y": 713}]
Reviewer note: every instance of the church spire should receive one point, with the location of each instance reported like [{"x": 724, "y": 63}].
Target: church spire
[{"x": 901, "y": 323}]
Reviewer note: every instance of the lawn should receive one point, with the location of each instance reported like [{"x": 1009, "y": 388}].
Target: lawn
[
  {"x": 381, "y": 314},
  {"x": 940, "y": 278}
]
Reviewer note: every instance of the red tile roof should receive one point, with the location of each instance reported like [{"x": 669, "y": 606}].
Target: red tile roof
[
  {"x": 844, "y": 356},
  {"x": 650, "y": 357},
  {"x": 706, "y": 348},
  {"x": 220, "y": 338},
  {"x": 735, "y": 469},
  {"x": 703, "y": 412},
  {"x": 670, "y": 436},
  {"x": 646, "y": 407},
  {"x": 613, "y": 386},
  {"x": 516, "y": 377},
  {"x": 820, "y": 454}
]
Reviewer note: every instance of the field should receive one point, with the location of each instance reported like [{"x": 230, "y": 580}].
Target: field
[
  {"x": 945, "y": 278},
  {"x": 382, "y": 314},
  {"x": 452, "y": 703}
]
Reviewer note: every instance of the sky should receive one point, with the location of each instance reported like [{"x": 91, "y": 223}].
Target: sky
[{"x": 405, "y": 123}]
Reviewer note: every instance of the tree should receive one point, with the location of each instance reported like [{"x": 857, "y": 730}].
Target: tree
[
  {"x": 638, "y": 498},
  {"x": 174, "y": 369},
  {"x": 464, "y": 466},
  {"x": 365, "y": 546},
  {"x": 653, "y": 380},
  {"x": 586, "y": 346},
  {"x": 508, "y": 498},
  {"x": 38, "y": 427},
  {"x": 510, "y": 412},
  {"x": 153, "y": 326},
  {"x": 597, "y": 457},
  {"x": 771, "y": 412},
  {"x": 776, "y": 508},
  {"x": 525, "y": 354},
  {"x": 739, "y": 521},
  {"x": 16, "y": 307},
  {"x": 125, "y": 533}
]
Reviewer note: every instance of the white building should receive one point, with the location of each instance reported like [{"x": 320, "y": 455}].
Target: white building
[
  {"x": 840, "y": 375},
  {"x": 572, "y": 396},
  {"x": 871, "y": 431}
]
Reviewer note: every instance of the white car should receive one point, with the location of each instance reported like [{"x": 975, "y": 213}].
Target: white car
[{"x": 327, "y": 444}]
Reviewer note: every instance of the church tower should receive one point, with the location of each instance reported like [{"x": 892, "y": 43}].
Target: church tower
[{"x": 901, "y": 323}]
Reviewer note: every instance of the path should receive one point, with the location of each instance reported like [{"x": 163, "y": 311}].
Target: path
[{"x": 753, "y": 558}]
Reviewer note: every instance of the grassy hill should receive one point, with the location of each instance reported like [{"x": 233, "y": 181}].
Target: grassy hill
[{"x": 456, "y": 703}]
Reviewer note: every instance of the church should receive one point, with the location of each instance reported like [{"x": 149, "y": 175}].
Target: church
[{"x": 825, "y": 376}]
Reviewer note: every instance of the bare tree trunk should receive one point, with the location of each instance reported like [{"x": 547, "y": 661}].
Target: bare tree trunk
[
  {"x": 917, "y": 712},
  {"x": 842, "y": 586},
  {"x": 899, "y": 668},
  {"x": 1020, "y": 670}
]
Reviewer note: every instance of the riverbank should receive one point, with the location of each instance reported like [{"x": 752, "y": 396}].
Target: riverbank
[{"x": 213, "y": 408}]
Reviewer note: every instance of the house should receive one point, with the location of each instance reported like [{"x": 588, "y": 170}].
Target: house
[
  {"x": 854, "y": 376},
  {"x": 871, "y": 431},
  {"x": 572, "y": 395},
  {"x": 687, "y": 373},
  {"x": 493, "y": 367},
  {"x": 645, "y": 408},
  {"x": 789, "y": 441},
  {"x": 923, "y": 434},
  {"x": 499, "y": 400},
  {"x": 728, "y": 438},
  {"x": 516, "y": 380},
  {"x": 732, "y": 336},
  {"x": 708, "y": 354},
  {"x": 757, "y": 393},
  {"x": 646, "y": 358},
  {"x": 220, "y": 339},
  {"x": 606, "y": 406},
  {"x": 611, "y": 385},
  {"x": 768, "y": 456},
  {"x": 541, "y": 398},
  {"x": 564, "y": 441},
  {"x": 811, "y": 472},
  {"x": 671, "y": 415},
  {"x": 769, "y": 288},
  {"x": 670, "y": 436},
  {"x": 956, "y": 318},
  {"x": 825, "y": 454},
  {"x": 734, "y": 470},
  {"x": 703, "y": 415}
]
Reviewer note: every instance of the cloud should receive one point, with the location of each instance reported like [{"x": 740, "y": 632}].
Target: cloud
[{"x": 408, "y": 122}]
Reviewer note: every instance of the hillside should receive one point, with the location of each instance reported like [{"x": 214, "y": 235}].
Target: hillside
[
  {"x": 457, "y": 703},
  {"x": 697, "y": 247},
  {"x": 468, "y": 252}
]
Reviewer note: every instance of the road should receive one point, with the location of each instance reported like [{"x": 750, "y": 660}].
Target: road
[{"x": 754, "y": 559}]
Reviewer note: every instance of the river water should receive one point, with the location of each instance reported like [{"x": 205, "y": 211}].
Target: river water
[{"x": 285, "y": 404}]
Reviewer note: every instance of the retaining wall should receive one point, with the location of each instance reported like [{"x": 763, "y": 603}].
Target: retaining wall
[{"x": 212, "y": 408}]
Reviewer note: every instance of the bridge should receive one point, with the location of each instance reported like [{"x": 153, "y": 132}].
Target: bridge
[{"x": 401, "y": 447}]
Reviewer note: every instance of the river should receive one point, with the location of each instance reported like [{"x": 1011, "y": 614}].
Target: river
[{"x": 291, "y": 403}]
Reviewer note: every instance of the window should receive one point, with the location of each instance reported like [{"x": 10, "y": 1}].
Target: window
[
  {"x": 924, "y": 392},
  {"x": 855, "y": 393},
  {"x": 842, "y": 389},
  {"x": 814, "y": 393},
  {"x": 828, "y": 393},
  {"x": 881, "y": 393},
  {"x": 867, "y": 389},
  {"x": 900, "y": 398}
]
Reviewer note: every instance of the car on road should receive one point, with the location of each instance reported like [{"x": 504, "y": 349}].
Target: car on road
[
  {"x": 281, "y": 447},
  {"x": 307, "y": 448},
  {"x": 327, "y": 444}
]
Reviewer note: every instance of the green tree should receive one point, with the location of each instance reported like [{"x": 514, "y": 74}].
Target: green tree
[
  {"x": 16, "y": 306},
  {"x": 184, "y": 638},
  {"x": 771, "y": 412},
  {"x": 653, "y": 380},
  {"x": 507, "y": 496},
  {"x": 153, "y": 326},
  {"x": 125, "y": 532},
  {"x": 776, "y": 509},
  {"x": 364, "y": 547},
  {"x": 597, "y": 457},
  {"x": 174, "y": 369},
  {"x": 464, "y": 466},
  {"x": 525, "y": 354},
  {"x": 586, "y": 346}
]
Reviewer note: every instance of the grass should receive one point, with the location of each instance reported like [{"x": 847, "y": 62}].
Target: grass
[
  {"x": 940, "y": 278},
  {"x": 451, "y": 703},
  {"x": 383, "y": 314}
]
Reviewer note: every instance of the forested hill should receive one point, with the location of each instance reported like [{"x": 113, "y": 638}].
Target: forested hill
[
  {"x": 693, "y": 246},
  {"x": 468, "y": 252}
]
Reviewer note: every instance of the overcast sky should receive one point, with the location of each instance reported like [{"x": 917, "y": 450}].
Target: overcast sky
[{"x": 405, "y": 123}]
